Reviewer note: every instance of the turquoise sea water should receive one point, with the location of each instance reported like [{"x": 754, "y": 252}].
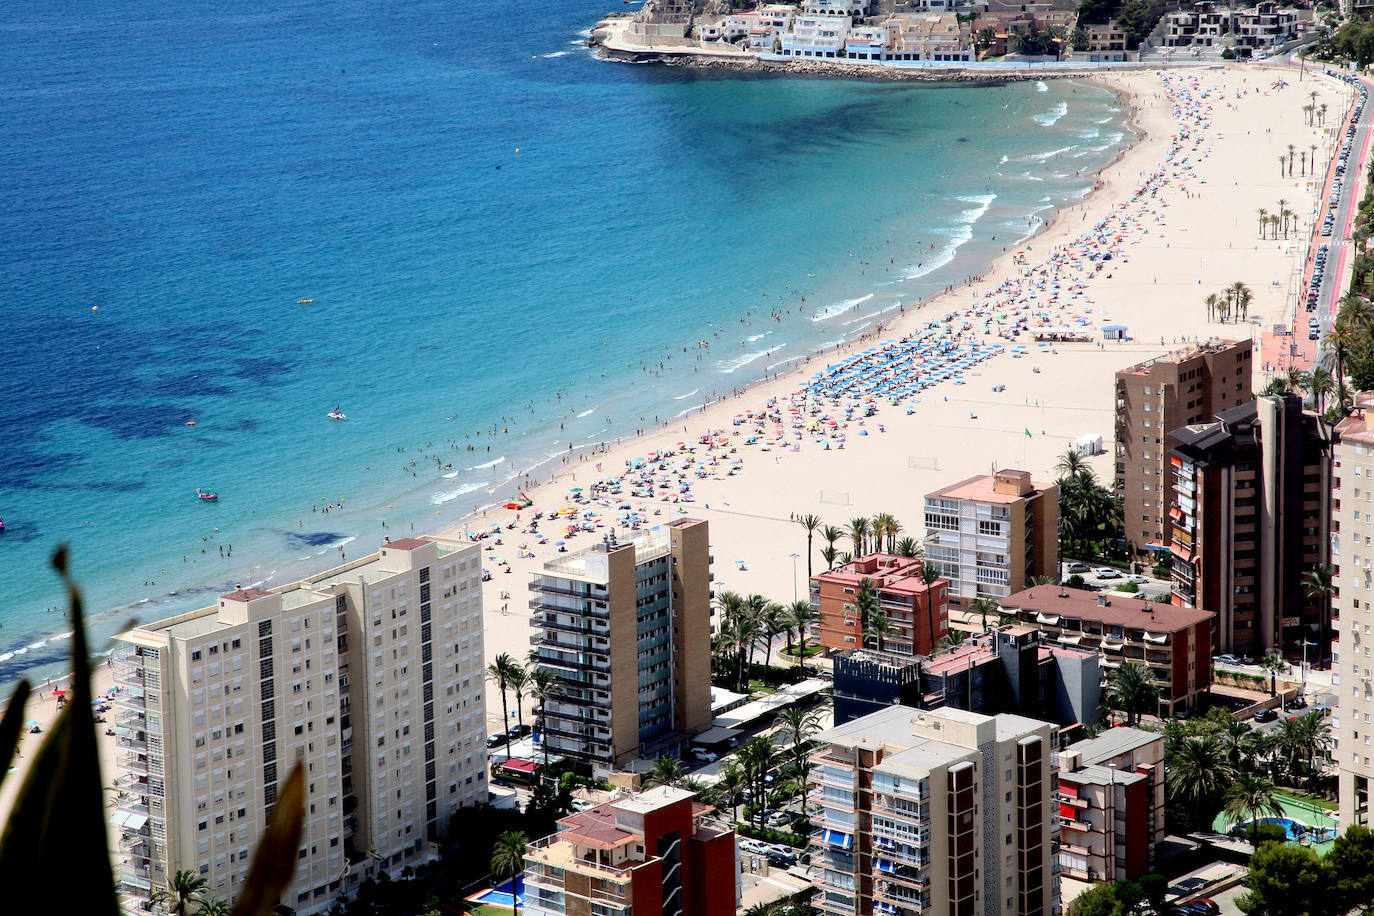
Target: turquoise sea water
[{"x": 498, "y": 232}]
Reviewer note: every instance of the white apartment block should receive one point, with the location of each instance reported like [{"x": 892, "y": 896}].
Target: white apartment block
[
  {"x": 370, "y": 676},
  {"x": 938, "y": 811},
  {"x": 1352, "y": 560}
]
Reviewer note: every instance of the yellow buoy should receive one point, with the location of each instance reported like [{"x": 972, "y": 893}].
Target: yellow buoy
[{"x": 95, "y": 308}]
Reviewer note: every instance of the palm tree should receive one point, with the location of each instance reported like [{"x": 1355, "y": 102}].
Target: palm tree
[
  {"x": 1283, "y": 215},
  {"x": 800, "y": 616},
  {"x": 908, "y": 547},
  {"x": 866, "y": 608},
  {"x": 1302, "y": 162},
  {"x": 1233, "y": 736},
  {"x": 1211, "y": 302},
  {"x": 508, "y": 859},
  {"x": 215, "y": 907},
  {"x": 774, "y": 617},
  {"x": 796, "y": 726},
  {"x": 982, "y": 607},
  {"x": 828, "y": 554},
  {"x": 1072, "y": 463},
  {"x": 500, "y": 671},
  {"x": 858, "y": 534},
  {"x": 1263, "y": 219},
  {"x": 1133, "y": 691},
  {"x": 1250, "y": 798},
  {"x": 1242, "y": 297},
  {"x": 1317, "y": 585},
  {"x": 184, "y": 890},
  {"x": 758, "y": 757},
  {"x": 1290, "y": 160},
  {"x": 730, "y": 781},
  {"x": 1273, "y": 663},
  {"x": 519, "y": 679},
  {"x": 1319, "y": 385},
  {"x": 545, "y": 685},
  {"x": 1198, "y": 775},
  {"x": 810, "y": 523},
  {"x": 831, "y": 534},
  {"x": 953, "y": 639},
  {"x": 1283, "y": 162},
  {"x": 666, "y": 771}
]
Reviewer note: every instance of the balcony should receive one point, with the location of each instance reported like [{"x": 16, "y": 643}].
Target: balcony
[
  {"x": 131, "y": 698},
  {"x": 128, "y": 675},
  {"x": 132, "y": 763}
]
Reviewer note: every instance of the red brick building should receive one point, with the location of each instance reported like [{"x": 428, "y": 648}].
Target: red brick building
[
  {"x": 917, "y": 611},
  {"x": 647, "y": 855}
]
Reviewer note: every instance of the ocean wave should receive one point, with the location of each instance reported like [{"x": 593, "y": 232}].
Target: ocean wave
[
  {"x": 586, "y": 413},
  {"x": 554, "y": 54},
  {"x": 1041, "y": 157},
  {"x": 438, "y": 499},
  {"x": 687, "y": 395},
  {"x": 963, "y": 231},
  {"x": 730, "y": 365},
  {"x": 490, "y": 464},
  {"x": 839, "y": 308},
  {"x": 1049, "y": 118},
  {"x": 755, "y": 337},
  {"x": 1041, "y": 87}
]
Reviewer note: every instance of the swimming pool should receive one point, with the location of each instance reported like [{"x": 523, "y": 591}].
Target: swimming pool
[
  {"x": 503, "y": 894},
  {"x": 1296, "y": 829}
]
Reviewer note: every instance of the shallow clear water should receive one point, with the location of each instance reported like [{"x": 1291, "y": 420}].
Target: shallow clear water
[{"x": 498, "y": 233}]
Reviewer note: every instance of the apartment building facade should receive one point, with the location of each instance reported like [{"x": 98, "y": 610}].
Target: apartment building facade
[
  {"x": 1250, "y": 517},
  {"x": 1174, "y": 643},
  {"x": 991, "y": 535},
  {"x": 917, "y": 610},
  {"x": 1352, "y": 562},
  {"x": 626, "y": 625},
  {"x": 1111, "y": 805},
  {"x": 1166, "y": 393},
  {"x": 941, "y": 811},
  {"x": 370, "y": 676},
  {"x": 648, "y": 855}
]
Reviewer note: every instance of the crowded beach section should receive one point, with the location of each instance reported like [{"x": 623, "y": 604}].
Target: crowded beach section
[{"x": 1008, "y": 370}]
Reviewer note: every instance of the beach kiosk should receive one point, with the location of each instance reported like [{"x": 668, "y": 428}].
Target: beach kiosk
[{"x": 1114, "y": 332}]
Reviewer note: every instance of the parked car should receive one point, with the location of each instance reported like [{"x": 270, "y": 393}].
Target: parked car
[
  {"x": 1079, "y": 568},
  {"x": 1227, "y": 659},
  {"x": 1210, "y": 904},
  {"x": 581, "y": 804},
  {"x": 778, "y": 819},
  {"x": 496, "y": 740},
  {"x": 702, "y": 754},
  {"x": 520, "y": 731},
  {"x": 1297, "y": 703},
  {"x": 1107, "y": 572},
  {"x": 1138, "y": 580},
  {"x": 778, "y": 860},
  {"x": 753, "y": 847},
  {"x": 1266, "y": 715}
]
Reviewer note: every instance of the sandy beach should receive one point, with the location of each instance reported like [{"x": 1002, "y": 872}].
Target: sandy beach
[{"x": 1178, "y": 212}]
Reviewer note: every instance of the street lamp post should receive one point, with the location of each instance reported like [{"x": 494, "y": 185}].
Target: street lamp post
[{"x": 794, "y": 577}]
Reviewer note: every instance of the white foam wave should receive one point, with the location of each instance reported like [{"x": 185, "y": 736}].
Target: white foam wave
[
  {"x": 687, "y": 395},
  {"x": 439, "y": 499},
  {"x": 730, "y": 365},
  {"x": 490, "y": 464},
  {"x": 963, "y": 231},
  {"x": 839, "y": 308},
  {"x": 1041, "y": 157},
  {"x": 1049, "y": 118},
  {"x": 586, "y": 413},
  {"x": 554, "y": 54},
  {"x": 1041, "y": 87},
  {"x": 757, "y": 336}
]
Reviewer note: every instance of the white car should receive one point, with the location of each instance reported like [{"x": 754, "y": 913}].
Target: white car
[
  {"x": 581, "y": 804},
  {"x": 754, "y": 847},
  {"x": 705, "y": 756},
  {"x": 1138, "y": 580},
  {"x": 1106, "y": 572}
]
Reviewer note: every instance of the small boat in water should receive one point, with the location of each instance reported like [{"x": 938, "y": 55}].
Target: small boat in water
[
  {"x": 337, "y": 414},
  {"x": 207, "y": 495},
  {"x": 2, "y": 524}
]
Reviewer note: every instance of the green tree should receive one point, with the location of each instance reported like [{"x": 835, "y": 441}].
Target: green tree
[
  {"x": 508, "y": 858},
  {"x": 184, "y": 891},
  {"x": 983, "y": 607},
  {"x": 908, "y": 547},
  {"x": 810, "y": 523},
  {"x": 1351, "y": 864},
  {"x": 758, "y": 757},
  {"x": 858, "y": 534},
  {"x": 666, "y": 771},
  {"x": 1251, "y": 798},
  {"x": 1133, "y": 691},
  {"x": 730, "y": 782},
  {"x": 1197, "y": 777},
  {"x": 800, "y": 616},
  {"x": 545, "y": 686},
  {"x": 831, "y": 535},
  {"x": 1097, "y": 900},
  {"x": 1286, "y": 881},
  {"x": 501, "y": 670}
]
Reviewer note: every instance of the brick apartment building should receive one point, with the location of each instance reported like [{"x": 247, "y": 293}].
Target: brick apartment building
[{"x": 918, "y": 611}]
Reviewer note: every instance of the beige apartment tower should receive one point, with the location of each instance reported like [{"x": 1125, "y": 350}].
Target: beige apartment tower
[
  {"x": 1154, "y": 398},
  {"x": 990, "y": 535},
  {"x": 1352, "y": 609},
  {"x": 626, "y": 625},
  {"x": 940, "y": 811},
  {"x": 370, "y": 676}
]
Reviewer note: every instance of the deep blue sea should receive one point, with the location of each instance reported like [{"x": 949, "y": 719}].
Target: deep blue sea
[{"x": 496, "y": 233}]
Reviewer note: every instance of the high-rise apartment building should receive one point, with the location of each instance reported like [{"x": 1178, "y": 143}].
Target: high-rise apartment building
[
  {"x": 1352, "y": 561},
  {"x": 991, "y": 535},
  {"x": 917, "y": 611},
  {"x": 1163, "y": 394},
  {"x": 648, "y": 855},
  {"x": 1250, "y": 517},
  {"x": 627, "y": 626},
  {"x": 941, "y": 811},
  {"x": 369, "y": 676}
]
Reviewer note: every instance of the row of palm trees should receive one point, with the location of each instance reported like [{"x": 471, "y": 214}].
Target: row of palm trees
[
  {"x": 1223, "y": 764},
  {"x": 1314, "y": 113},
  {"x": 533, "y": 682},
  {"x": 1350, "y": 341},
  {"x": 1317, "y": 386},
  {"x": 1230, "y": 304},
  {"x": 750, "y": 621},
  {"x": 187, "y": 894},
  {"x": 865, "y": 535}
]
